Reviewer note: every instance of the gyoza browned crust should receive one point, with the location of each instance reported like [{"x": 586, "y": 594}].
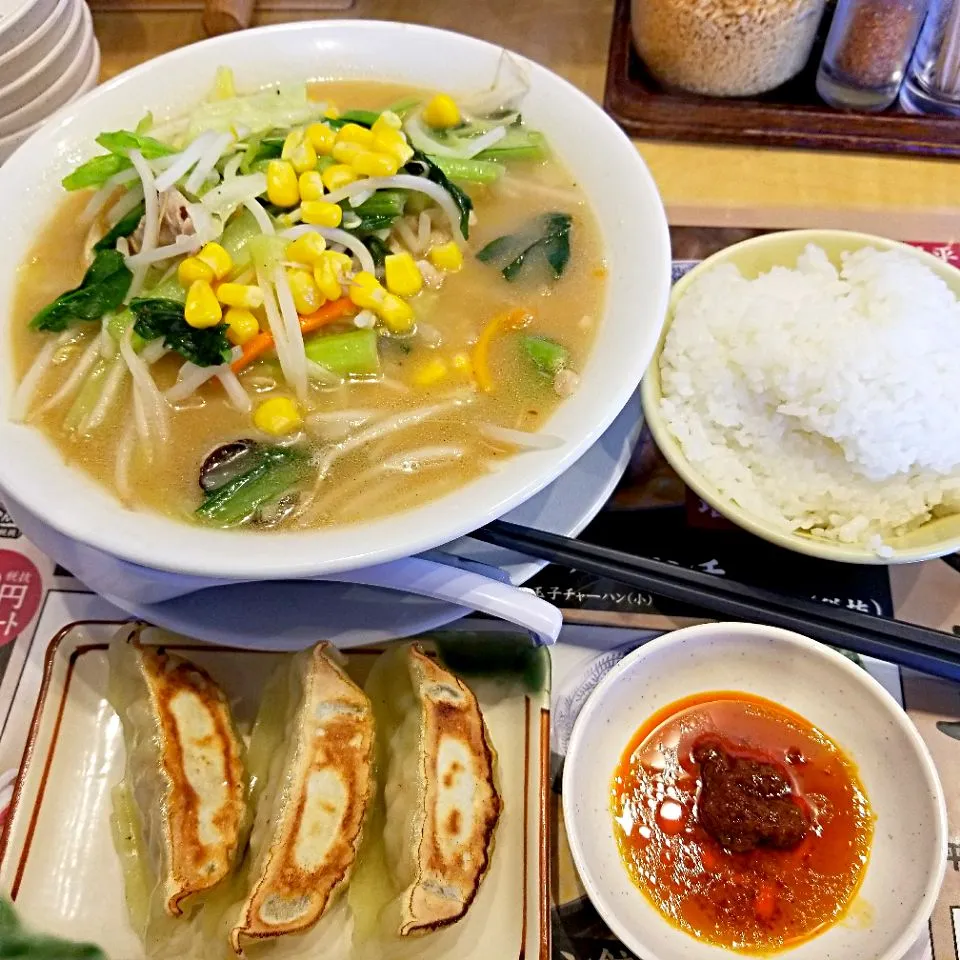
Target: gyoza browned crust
[
  {"x": 202, "y": 762},
  {"x": 461, "y": 805},
  {"x": 314, "y": 845}
]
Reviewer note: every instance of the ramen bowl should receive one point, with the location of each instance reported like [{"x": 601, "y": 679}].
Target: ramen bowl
[{"x": 599, "y": 157}]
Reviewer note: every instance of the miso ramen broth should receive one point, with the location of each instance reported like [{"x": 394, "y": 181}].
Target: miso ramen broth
[{"x": 356, "y": 393}]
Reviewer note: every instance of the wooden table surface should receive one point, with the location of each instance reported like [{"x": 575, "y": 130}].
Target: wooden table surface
[{"x": 701, "y": 185}]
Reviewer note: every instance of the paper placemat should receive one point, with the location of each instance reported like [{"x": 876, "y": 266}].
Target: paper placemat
[{"x": 651, "y": 513}]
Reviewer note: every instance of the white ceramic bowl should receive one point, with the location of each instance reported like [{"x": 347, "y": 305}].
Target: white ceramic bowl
[
  {"x": 33, "y": 82},
  {"x": 79, "y": 52},
  {"x": 935, "y": 538},
  {"x": 10, "y": 142},
  {"x": 20, "y": 18},
  {"x": 908, "y": 854},
  {"x": 602, "y": 159},
  {"x": 33, "y": 48}
]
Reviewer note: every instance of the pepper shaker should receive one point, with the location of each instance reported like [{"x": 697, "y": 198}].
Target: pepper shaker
[
  {"x": 869, "y": 44},
  {"x": 933, "y": 77}
]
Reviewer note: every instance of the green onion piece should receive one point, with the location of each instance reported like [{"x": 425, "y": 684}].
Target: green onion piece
[
  {"x": 518, "y": 144},
  {"x": 548, "y": 356},
  {"x": 277, "y": 469},
  {"x": 352, "y": 354},
  {"x": 363, "y": 118},
  {"x": 121, "y": 142},
  {"x": 403, "y": 106},
  {"x": 469, "y": 171},
  {"x": 96, "y": 172}
]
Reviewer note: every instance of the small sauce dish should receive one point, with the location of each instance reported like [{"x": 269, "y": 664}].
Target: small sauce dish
[{"x": 818, "y": 688}]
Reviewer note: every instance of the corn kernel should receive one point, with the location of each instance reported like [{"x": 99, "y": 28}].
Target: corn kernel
[
  {"x": 442, "y": 111},
  {"x": 277, "y": 416},
  {"x": 242, "y": 325},
  {"x": 397, "y": 314},
  {"x": 402, "y": 274},
  {"x": 347, "y": 152},
  {"x": 326, "y": 278},
  {"x": 217, "y": 259},
  {"x": 321, "y": 213},
  {"x": 311, "y": 185},
  {"x": 202, "y": 308},
  {"x": 332, "y": 112},
  {"x": 354, "y": 133},
  {"x": 299, "y": 151},
  {"x": 282, "y": 187},
  {"x": 193, "y": 269},
  {"x": 366, "y": 291},
  {"x": 337, "y": 176},
  {"x": 388, "y": 120},
  {"x": 463, "y": 364},
  {"x": 308, "y": 248},
  {"x": 446, "y": 256},
  {"x": 306, "y": 295},
  {"x": 322, "y": 138},
  {"x": 393, "y": 143},
  {"x": 431, "y": 372},
  {"x": 340, "y": 261},
  {"x": 370, "y": 164},
  {"x": 248, "y": 296}
]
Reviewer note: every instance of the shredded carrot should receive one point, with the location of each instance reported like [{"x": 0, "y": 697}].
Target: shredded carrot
[
  {"x": 262, "y": 342},
  {"x": 765, "y": 902},
  {"x": 513, "y": 320}
]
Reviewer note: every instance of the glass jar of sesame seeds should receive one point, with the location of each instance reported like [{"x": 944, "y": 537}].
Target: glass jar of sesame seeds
[{"x": 725, "y": 48}]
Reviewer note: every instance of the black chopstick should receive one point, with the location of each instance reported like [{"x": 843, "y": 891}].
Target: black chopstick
[{"x": 908, "y": 645}]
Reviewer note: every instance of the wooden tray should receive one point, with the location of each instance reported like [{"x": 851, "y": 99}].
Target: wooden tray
[
  {"x": 790, "y": 116},
  {"x": 178, "y": 6}
]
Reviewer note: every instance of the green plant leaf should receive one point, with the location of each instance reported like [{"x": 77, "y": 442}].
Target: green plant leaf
[
  {"x": 160, "y": 317},
  {"x": 122, "y": 228},
  {"x": 102, "y": 289}
]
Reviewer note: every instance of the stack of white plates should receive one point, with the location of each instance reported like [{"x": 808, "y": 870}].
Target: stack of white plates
[{"x": 48, "y": 57}]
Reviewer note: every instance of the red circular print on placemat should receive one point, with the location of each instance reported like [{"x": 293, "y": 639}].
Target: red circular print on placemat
[{"x": 20, "y": 592}]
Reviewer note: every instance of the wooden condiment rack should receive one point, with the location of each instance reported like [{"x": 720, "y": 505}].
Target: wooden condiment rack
[{"x": 793, "y": 115}]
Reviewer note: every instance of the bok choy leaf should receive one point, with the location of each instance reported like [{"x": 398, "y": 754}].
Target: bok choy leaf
[
  {"x": 548, "y": 234},
  {"x": 272, "y": 471},
  {"x": 102, "y": 289},
  {"x": 160, "y": 317},
  {"x": 122, "y": 228}
]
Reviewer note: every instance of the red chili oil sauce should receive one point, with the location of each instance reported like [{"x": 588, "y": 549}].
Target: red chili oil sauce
[{"x": 759, "y": 901}]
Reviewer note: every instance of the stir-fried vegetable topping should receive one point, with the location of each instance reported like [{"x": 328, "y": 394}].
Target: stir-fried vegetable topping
[
  {"x": 548, "y": 356},
  {"x": 267, "y": 473},
  {"x": 548, "y": 235},
  {"x": 99, "y": 169},
  {"x": 268, "y": 231},
  {"x": 158, "y": 318},
  {"x": 102, "y": 289},
  {"x": 351, "y": 354},
  {"x": 423, "y": 163},
  {"x": 122, "y": 228}
]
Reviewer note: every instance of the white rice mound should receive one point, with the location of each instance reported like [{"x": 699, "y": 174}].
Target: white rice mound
[{"x": 822, "y": 400}]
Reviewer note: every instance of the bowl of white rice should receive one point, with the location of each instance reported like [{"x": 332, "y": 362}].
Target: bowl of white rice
[{"x": 807, "y": 386}]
